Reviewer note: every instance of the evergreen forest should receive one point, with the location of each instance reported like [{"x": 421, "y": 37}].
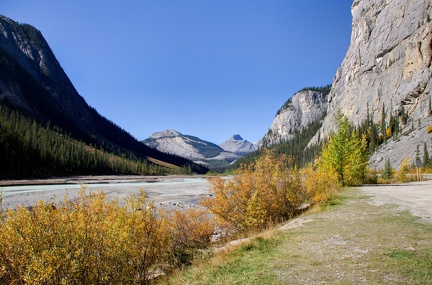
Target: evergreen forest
[{"x": 30, "y": 149}]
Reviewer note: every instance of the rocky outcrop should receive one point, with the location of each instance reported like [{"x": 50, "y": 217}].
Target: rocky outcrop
[
  {"x": 237, "y": 145},
  {"x": 388, "y": 63},
  {"x": 302, "y": 109}
]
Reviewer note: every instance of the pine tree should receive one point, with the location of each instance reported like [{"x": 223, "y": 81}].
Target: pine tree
[
  {"x": 388, "y": 171},
  {"x": 417, "y": 157},
  {"x": 426, "y": 157}
]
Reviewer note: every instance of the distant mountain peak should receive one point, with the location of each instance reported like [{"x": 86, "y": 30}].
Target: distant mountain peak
[
  {"x": 236, "y": 144},
  {"x": 190, "y": 147},
  {"x": 237, "y": 137},
  {"x": 166, "y": 133}
]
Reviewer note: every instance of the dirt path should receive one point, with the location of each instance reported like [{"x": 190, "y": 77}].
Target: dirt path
[{"x": 414, "y": 197}]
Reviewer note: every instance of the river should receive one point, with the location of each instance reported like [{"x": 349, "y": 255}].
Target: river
[{"x": 166, "y": 192}]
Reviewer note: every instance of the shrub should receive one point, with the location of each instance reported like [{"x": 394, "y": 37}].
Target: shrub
[
  {"x": 259, "y": 195},
  {"x": 371, "y": 177},
  {"x": 191, "y": 230},
  {"x": 401, "y": 175},
  {"x": 321, "y": 186},
  {"x": 88, "y": 241},
  {"x": 429, "y": 129},
  {"x": 265, "y": 193}
]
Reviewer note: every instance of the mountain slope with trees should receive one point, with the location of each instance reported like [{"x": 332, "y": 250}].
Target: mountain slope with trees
[{"x": 33, "y": 82}]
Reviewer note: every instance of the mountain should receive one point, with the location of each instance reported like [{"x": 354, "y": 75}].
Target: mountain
[
  {"x": 301, "y": 110},
  {"x": 33, "y": 82},
  {"x": 190, "y": 147},
  {"x": 387, "y": 66},
  {"x": 384, "y": 80},
  {"x": 236, "y": 144}
]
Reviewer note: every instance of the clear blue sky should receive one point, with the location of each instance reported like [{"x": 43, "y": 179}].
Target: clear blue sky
[{"x": 206, "y": 68}]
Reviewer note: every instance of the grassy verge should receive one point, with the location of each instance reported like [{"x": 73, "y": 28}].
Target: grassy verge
[{"x": 351, "y": 242}]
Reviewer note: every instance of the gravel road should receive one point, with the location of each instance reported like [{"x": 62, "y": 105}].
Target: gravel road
[{"x": 415, "y": 197}]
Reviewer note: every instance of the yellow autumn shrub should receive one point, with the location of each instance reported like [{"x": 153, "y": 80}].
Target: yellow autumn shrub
[
  {"x": 259, "y": 195},
  {"x": 87, "y": 241},
  {"x": 320, "y": 185}
]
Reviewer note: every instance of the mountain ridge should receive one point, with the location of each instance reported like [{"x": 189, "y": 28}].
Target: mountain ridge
[
  {"x": 33, "y": 81},
  {"x": 384, "y": 80},
  {"x": 216, "y": 157},
  {"x": 300, "y": 111}
]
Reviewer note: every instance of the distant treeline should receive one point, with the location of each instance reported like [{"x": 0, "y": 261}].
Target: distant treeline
[
  {"x": 30, "y": 149},
  {"x": 323, "y": 89}
]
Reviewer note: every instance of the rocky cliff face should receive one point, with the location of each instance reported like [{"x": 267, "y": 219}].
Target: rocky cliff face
[
  {"x": 387, "y": 64},
  {"x": 304, "y": 108}
]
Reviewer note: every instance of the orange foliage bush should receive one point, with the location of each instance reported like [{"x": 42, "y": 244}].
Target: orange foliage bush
[
  {"x": 265, "y": 193},
  {"x": 191, "y": 230}
]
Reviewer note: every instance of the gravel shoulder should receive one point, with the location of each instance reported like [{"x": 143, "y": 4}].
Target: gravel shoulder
[
  {"x": 415, "y": 197},
  {"x": 380, "y": 234}
]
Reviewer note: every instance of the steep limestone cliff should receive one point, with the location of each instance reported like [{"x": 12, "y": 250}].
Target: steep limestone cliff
[
  {"x": 388, "y": 63},
  {"x": 302, "y": 109}
]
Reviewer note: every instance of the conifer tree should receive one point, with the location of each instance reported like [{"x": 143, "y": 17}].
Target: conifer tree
[
  {"x": 388, "y": 171},
  {"x": 426, "y": 157},
  {"x": 383, "y": 124}
]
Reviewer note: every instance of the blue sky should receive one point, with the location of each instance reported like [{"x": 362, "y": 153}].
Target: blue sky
[{"x": 206, "y": 68}]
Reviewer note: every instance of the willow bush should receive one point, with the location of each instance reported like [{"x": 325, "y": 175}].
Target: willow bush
[
  {"x": 94, "y": 241},
  {"x": 265, "y": 193}
]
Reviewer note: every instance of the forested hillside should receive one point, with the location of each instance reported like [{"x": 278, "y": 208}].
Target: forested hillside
[
  {"x": 31, "y": 149},
  {"x": 33, "y": 82}
]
